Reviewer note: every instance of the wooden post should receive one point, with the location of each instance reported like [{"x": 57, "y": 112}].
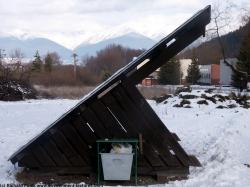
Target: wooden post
[{"x": 141, "y": 144}]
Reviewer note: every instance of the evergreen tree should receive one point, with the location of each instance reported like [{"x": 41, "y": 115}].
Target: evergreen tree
[
  {"x": 106, "y": 75},
  {"x": 170, "y": 72},
  {"x": 241, "y": 76},
  {"x": 48, "y": 62},
  {"x": 37, "y": 62},
  {"x": 193, "y": 72}
]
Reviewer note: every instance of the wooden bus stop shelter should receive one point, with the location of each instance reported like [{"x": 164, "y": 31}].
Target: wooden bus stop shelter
[{"x": 116, "y": 109}]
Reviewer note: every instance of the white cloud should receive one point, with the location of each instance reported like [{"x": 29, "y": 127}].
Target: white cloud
[{"x": 71, "y": 22}]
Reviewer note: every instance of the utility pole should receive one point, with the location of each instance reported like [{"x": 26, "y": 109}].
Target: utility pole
[
  {"x": 74, "y": 55},
  {"x": 2, "y": 55}
]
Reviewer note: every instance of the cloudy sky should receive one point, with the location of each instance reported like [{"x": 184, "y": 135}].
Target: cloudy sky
[{"x": 71, "y": 22}]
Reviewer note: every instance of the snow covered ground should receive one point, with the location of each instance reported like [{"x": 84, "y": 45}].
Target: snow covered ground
[
  {"x": 219, "y": 138},
  {"x": 21, "y": 121}
]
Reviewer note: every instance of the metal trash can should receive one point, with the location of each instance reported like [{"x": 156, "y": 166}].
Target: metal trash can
[{"x": 117, "y": 166}]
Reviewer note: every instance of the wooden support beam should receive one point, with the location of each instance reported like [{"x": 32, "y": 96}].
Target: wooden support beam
[{"x": 164, "y": 54}]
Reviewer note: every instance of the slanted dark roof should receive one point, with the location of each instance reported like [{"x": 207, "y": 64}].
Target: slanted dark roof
[{"x": 116, "y": 109}]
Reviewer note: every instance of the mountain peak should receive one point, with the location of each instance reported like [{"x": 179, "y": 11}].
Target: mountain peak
[
  {"x": 29, "y": 44},
  {"x": 134, "y": 35},
  {"x": 132, "y": 40}
]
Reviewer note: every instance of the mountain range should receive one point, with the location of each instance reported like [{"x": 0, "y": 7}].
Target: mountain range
[
  {"x": 43, "y": 45},
  {"x": 29, "y": 46}
]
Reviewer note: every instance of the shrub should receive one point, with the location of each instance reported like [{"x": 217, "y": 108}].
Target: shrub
[
  {"x": 187, "y": 106},
  {"x": 177, "y": 105},
  {"x": 188, "y": 96},
  {"x": 232, "y": 106},
  {"x": 13, "y": 90},
  {"x": 221, "y": 107},
  {"x": 221, "y": 98},
  {"x": 184, "y": 102},
  {"x": 162, "y": 98},
  {"x": 210, "y": 90},
  {"x": 232, "y": 95},
  {"x": 204, "y": 96},
  {"x": 202, "y": 102},
  {"x": 182, "y": 89}
]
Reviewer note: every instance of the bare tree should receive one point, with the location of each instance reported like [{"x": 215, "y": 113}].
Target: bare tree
[
  {"x": 221, "y": 18},
  {"x": 2, "y": 68},
  {"x": 75, "y": 60},
  {"x": 56, "y": 59},
  {"x": 17, "y": 56},
  {"x": 2, "y": 56}
]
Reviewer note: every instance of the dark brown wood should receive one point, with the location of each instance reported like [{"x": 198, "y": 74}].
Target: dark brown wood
[
  {"x": 119, "y": 114},
  {"x": 55, "y": 171},
  {"x": 67, "y": 149},
  {"x": 152, "y": 156},
  {"x": 29, "y": 161},
  {"x": 85, "y": 132},
  {"x": 150, "y": 133},
  {"x": 106, "y": 118},
  {"x": 176, "y": 137},
  {"x": 151, "y": 117},
  {"x": 91, "y": 118},
  {"x": 43, "y": 158},
  {"x": 110, "y": 102},
  {"x": 55, "y": 153},
  {"x": 141, "y": 144},
  {"x": 194, "y": 161},
  {"x": 77, "y": 143}
]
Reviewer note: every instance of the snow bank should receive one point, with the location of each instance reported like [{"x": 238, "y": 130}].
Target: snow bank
[
  {"x": 219, "y": 138},
  {"x": 21, "y": 121}
]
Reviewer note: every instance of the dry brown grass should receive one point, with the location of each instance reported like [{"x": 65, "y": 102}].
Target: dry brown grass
[
  {"x": 76, "y": 92},
  {"x": 67, "y": 92},
  {"x": 149, "y": 92},
  {"x": 53, "y": 179}
]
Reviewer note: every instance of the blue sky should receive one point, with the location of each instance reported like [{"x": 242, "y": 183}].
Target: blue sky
[{"x": 71, "y": 22}]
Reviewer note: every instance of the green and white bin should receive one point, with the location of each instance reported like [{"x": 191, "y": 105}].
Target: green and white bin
[{"x": 117, "y": 166}]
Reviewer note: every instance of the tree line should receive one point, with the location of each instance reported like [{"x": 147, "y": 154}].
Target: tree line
[
  {"x": 49, "y": 69},
  {"x": 171, "y": 73}
]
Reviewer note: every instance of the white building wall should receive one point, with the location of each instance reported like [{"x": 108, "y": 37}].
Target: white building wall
[
  {"x": 184, "y": 63},
  {"x": 205, "y": 71},
  {"x": 226, "y": 72}
]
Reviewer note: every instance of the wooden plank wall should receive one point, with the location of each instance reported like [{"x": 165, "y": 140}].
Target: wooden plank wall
[{"x": 120, "y": 113}]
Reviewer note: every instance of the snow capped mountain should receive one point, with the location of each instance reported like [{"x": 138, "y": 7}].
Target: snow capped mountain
[
  {"x": 29, "y": 44},
  {"x": 131, "y": 40}
]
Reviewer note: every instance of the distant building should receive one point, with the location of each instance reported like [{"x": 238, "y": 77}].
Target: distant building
[
  {"x": 9, "y": 60},
  {"x": 16, "y": 64},
  {"x": 210, "y": 74},
  {"x": 226, "y": 72},
  {"x": 184, "y": 63},
  {"x": 152, "y": 79}
]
